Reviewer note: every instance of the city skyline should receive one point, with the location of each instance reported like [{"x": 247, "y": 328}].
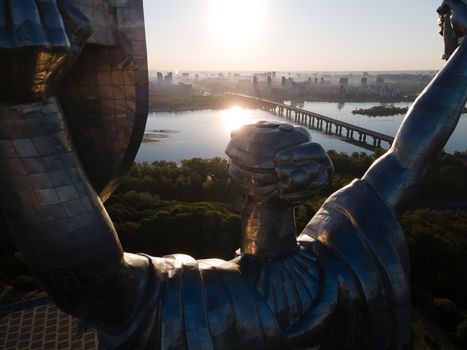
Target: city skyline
[{"x": 294, "y": 35}]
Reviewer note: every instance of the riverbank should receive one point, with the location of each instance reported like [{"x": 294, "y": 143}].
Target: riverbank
[
  {"x": 188, "y": 103},
  {"x": 193, "y": 103},
  {"x": 216, "y": 102}
]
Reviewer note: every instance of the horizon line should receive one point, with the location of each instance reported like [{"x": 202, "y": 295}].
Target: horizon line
[{"x": 295, "y": 71}]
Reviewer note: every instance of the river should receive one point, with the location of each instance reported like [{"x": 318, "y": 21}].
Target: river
[{"x": 175, "y": 136}]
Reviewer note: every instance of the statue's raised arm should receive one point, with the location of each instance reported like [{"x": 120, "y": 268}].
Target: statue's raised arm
[{"x": 431, "y": 119}]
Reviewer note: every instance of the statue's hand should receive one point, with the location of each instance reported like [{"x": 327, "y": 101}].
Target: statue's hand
[
  {"x": 302, "y": 171},
  {"x": 39, "y": 43},
  {"x": 453, "y": 24},
  {"x": 276, "y": 165}
]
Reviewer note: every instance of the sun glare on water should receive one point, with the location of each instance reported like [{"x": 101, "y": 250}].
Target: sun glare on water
[
  {"x": 236, "y": 22},
  {"x": 236, "y": 117}
]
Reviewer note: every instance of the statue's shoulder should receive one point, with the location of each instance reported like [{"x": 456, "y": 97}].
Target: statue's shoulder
[
  {"x": 358, "y": 207},
  {"x": 362, "y": 231},
  {"x": 201, "y": 303},
  {"x": 361, "y": 250}
]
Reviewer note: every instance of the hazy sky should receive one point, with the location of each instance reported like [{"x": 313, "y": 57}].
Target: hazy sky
[{"x": 282, "y": 35}]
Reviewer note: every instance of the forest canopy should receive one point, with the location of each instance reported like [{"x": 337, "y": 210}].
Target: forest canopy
[{"x": 164, "y": 207}]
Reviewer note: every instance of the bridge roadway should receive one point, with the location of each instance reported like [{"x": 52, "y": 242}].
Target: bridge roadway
[{"x": 352, "y": 133}]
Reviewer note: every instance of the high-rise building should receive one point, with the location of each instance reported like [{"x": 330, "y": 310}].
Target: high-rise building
[
  {"x": 344, "y": 82},
  {"x": 364, "y": 83},
  {"x": 255, "y": 82}
]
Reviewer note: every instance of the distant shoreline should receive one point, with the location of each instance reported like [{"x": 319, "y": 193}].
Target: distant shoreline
[
  {"x": 188, "y": 103},
  {"x": 361, "y": 99},
  {"x": 184, "y": 109},
  {"x": 199, "y": 103},
  {"x": 196, "y": 103}
]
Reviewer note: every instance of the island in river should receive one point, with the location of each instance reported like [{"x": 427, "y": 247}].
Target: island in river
[{"x": 383, "y": 111}]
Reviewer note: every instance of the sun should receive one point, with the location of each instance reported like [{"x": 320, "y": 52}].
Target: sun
[{"x": 237, "y": 22}]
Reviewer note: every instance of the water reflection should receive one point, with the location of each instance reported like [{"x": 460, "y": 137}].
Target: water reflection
[
  {"x": 205, "y": 133},
  {"x": 235, "y": 117}
]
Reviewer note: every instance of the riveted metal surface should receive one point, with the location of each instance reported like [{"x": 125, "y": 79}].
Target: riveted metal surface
[{"x": 105, "y": 97}]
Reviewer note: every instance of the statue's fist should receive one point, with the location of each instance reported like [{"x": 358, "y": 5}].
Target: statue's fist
[
  {"x": 276, "y": 164},
  {"x": 302, "y": 171},
  {"x": 39, "y": 41},
  {"x": 453, "y": 24},
  {"x": 457, "y": 9}
]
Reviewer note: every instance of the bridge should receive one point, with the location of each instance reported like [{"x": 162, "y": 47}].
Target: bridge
[{"x": 348, "y": 132}]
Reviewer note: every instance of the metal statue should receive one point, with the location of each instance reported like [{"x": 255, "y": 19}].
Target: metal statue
[{"x": 72, "y": 113}]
